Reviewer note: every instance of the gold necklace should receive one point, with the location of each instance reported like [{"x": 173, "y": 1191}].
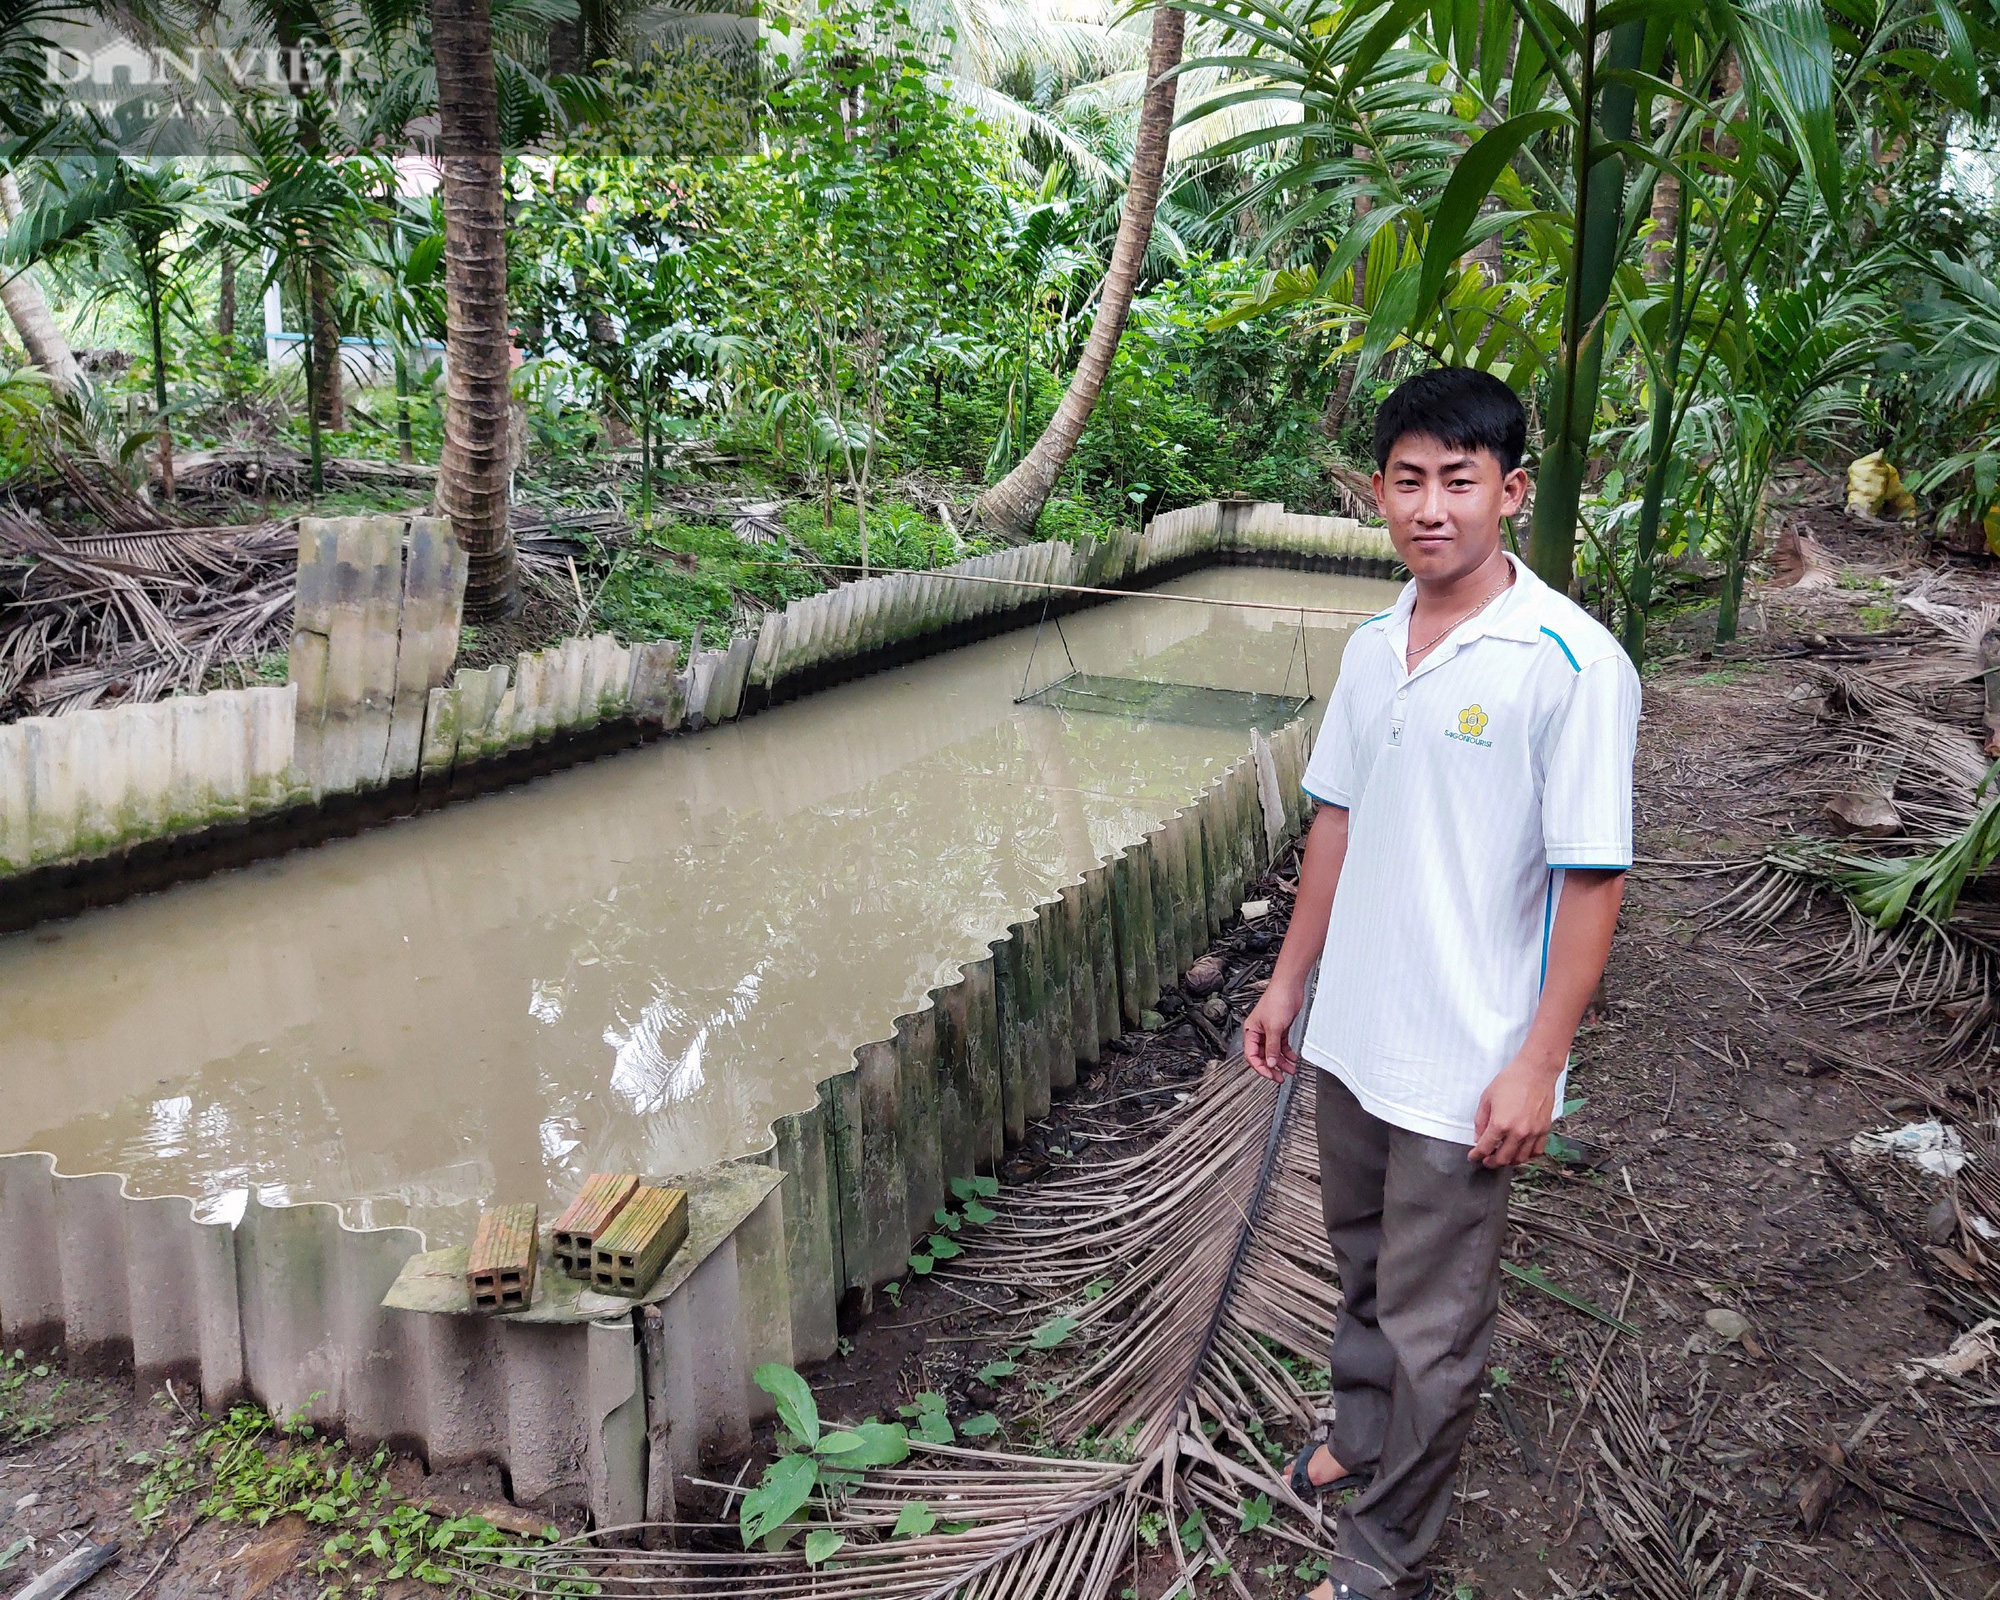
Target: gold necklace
[{"x": 1459, "y": 622}]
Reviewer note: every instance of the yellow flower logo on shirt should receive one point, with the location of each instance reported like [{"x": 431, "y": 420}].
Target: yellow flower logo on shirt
[{"x": 1472, "y": 721}]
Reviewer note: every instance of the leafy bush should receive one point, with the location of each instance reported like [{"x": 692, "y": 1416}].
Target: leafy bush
[{"x": 899, "y": 535}]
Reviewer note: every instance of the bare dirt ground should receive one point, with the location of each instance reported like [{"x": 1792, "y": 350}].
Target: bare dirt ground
[
  {"x": 1775, "y": 1317},
  {"x": 1758, "y": 1432}
]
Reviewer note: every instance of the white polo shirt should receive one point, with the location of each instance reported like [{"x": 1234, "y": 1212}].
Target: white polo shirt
[{"x": 1470, "y": 784}]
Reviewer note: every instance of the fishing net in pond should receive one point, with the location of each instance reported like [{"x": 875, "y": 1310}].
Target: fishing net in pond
[
  {"x": 1145, "y": 700},
  {"x": 1161, "y": 700}
]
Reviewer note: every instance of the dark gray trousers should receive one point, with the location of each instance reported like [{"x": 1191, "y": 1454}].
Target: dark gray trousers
[{"x": 1416, "y": 1231}]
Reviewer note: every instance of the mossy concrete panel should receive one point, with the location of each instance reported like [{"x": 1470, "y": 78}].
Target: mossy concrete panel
[
  {"x": 1097, "y": 913},
  {"x": 1037, "y": 1043},
  {"x": 880, "y": 1234},
  {"x": 1125, "y": 929},
  {"x": 959, "y": 1143},
  {"x": 919, "y": 1129},
  {"x": 984, "y": 1065},
  {"x": 1085, "y": 1041},
  {"x": 1007, "y": 985},
  {"x": 764, "y": 1288},
  {"x": 801, "y": 1151}
]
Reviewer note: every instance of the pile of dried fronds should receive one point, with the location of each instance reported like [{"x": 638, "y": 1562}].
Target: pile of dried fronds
[
  {"x": 1193, "y": 1279},
  {"x": 1897, "y": 737},
  {"x": 137, "y": 608}
]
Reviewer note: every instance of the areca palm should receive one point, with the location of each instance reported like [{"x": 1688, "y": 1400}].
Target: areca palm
[
  {"x": 303, "y": 212},
  {"x": 1788, "y": 391},
  {"x": 1445, "y": 126},
  {"x": 140, "y": 224},
  {"x": 404, "y": 298}
]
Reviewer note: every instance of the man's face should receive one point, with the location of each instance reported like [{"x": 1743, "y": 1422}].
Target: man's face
[{"x": 1444, "y": 505}]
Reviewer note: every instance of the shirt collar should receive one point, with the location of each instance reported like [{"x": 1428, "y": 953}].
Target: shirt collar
[{"x": 1511, "y": 615}]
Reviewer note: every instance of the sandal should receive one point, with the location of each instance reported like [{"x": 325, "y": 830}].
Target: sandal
[{"x": 1306, "y": 1489}]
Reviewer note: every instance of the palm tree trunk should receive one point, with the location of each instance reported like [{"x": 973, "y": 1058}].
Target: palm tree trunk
[
  {"x": 1343, "y": 386},
  {"x": 155, "y": 317},
  {"x": 28, "y": 309},
  {"x": 1011, "y": 506},
  {"x": 1573, "y": 395},
  {"x": 324, "y": 331},
  {"x": 473, "y": 468},
  {"x": 225, "y": 314}
]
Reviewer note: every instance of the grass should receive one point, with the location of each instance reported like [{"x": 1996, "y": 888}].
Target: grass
[
  {"x": 684, "y": 574},
  {"x": 899, "y": 535},
  {"x": 648, "y": 594},
  {"x": 246, "y": 1468},
  {"x": 264, "y": 672},
  {"x": 29, "y": 1392}
]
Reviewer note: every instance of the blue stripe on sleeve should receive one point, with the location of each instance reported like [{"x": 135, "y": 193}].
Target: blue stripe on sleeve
[
  {"x": 1551, "y": 632},
  {"x": 1548, "y": 918}
]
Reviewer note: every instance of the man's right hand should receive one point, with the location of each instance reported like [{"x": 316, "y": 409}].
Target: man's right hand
[{"x": 1266, "y": 1031}]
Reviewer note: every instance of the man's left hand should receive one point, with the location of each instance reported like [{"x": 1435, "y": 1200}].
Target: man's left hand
[{"x": 1515, "y": 1114}]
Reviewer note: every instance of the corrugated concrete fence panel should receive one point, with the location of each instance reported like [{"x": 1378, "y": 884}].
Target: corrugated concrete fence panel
[
  {"x": 16, "y": 849},
  {"x": 312, "y": 611},
  {"x": 272, "y": 714},
  {"x": 422, "y": 575},
  {"x": 344, "y": 647},
  {"x": 1270, "y": 797},
  {"x": 531, "y": 716},
  {"x": 117, "y": 1279},
  {"x": 611, "y": 677},
  {"x": 513, "y": 1393},
  {"x": 100, "y": 753},
  {"x": 316, "y": 1339},
  {"x": 211, "y": 760},
  {"x": 53, "y": 804},
  {"x": 579, "y": 700},
  {"x": 651, "y": 689},
  {"x": 440, "y": 747},
  {"x": 615, "y": 1446},
  {"x": 381, "y": 645},
  {"x": 802, "y": 1148},
  {"x": 770, "y": 639}
]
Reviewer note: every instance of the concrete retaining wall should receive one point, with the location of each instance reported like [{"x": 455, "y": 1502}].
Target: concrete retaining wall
[
  {"x": 286, "y": 1306},
  {"x": 94, "y": 781},
  {"x": 100, "y": 804},
  {"x": 374, "y": 629}
]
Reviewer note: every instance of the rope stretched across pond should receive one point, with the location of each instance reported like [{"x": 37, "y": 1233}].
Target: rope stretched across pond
[{"x": 1077, "y": 588}]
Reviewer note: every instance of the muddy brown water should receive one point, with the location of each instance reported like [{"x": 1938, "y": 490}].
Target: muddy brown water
[{"x": 636, "y": 964}]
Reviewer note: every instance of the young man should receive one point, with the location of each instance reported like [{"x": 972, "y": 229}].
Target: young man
[{"x": 1458, "y": 893}]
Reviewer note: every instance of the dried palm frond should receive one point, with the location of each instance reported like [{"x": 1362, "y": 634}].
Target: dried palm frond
[
  {"x": 134, "y": 613},
  {"x": 1658, "y": 1526},
  {"x": 1921, "y": 933},
  {"x": 1192, "y": 1278}
]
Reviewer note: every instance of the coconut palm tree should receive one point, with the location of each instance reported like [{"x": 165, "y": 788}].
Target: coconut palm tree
[
  {"x": 1010, "y": 507},
  {"x": 23, "y": 91},
  {"x": 473, "y": 469}
]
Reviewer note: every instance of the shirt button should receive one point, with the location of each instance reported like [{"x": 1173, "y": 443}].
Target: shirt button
[{"x": 1402, "y": 694}]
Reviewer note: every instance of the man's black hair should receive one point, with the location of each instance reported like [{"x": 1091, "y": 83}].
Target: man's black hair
[{"x": 1459, "y": 407}]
